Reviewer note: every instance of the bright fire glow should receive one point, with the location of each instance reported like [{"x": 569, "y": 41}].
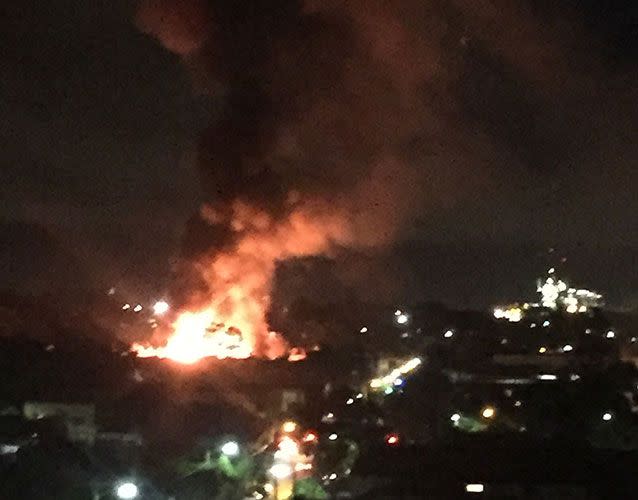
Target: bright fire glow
[
  {"x": 231, "y": 323},
  {"x": 195, "y": 336}
]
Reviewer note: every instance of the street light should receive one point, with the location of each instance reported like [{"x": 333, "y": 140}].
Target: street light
[
  {"x": 230, "y": 449},
  {"x": 488, "y": 412},
  {"x": 281, "y": 471},
  {"x": 392, "y": 439},
  {"x": 474, "y": 488},
  {"x": 127, "y": 491},
  {"x": 289, "y": 426},
  {"x": 402, "y": 319}
]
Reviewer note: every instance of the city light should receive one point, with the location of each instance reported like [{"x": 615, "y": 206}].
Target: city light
[
  {"x": 547, "y": 376},
  {"x": 328, "y": 418},
  {"x": 513, "y": 313},
  {"x": 392, "y": 439},
  {"x": 610, "y": 334},
  {"x": 567, "y": 348},
  {"x": 388, "y": 381},
  {"x": 333, "y": 437},
  {"x": 160, "y": 307},
  {"x": 402, "y": 319},
  {"x": 448, "y": 334},
  {"x": 287, "y": 448},
  {"x": 126, "y": 491},
  {"x": 398, "y": 312},
  {"x": 364, "y": 329},
  {"x": 607, "y": 416},
  {"x": 281, "y": 471},
  {"x": 9, "y": 449},
  {"x": 310, "y": 437},
  {"x": 349, "y": 401},
  {"x": 474, "y": 488},
  {"x": 230, "y": 449},
  {"x": 546, "y": 323},
  {"x": 488, "y": 412},
  {"x": 398, "y": 382},
  {"x": 332, "y": 476},
  {"x": 542, "y": 350},
  {"x": 455, "y": 417},
  {"x": 126, "y": 307},
  {"x": 137, "y": 308},
  {"x": 289, "y": 426}
]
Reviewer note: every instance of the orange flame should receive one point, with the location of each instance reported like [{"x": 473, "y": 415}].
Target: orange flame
[{"x": 232, "y": 324}]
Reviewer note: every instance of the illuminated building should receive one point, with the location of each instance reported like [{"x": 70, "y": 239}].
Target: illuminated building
[{"x": 555, "y": 294}]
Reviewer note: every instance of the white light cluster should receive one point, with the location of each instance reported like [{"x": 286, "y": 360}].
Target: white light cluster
[
  {"x": 550, "y": 291},
  {"x": 555, "y": 292}
]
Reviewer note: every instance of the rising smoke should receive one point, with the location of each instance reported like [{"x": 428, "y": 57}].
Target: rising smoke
[
  {"x": 336, "y": 119},
  {"x": 306, "y": 153}
]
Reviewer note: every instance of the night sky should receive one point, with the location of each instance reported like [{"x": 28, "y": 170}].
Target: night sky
[{"x": 529, "y": 144}]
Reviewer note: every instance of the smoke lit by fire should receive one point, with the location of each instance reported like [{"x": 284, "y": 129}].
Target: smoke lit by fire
[
  {"x": 323, "y": 117},
  {"x": 232, "y": 324}
]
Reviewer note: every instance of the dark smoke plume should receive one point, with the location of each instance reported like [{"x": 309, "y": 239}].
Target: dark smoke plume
[{"x": 374, "y": 107}]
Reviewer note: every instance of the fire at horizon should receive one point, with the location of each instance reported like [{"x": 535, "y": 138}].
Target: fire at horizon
[{"x": 230, "y": 322}]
